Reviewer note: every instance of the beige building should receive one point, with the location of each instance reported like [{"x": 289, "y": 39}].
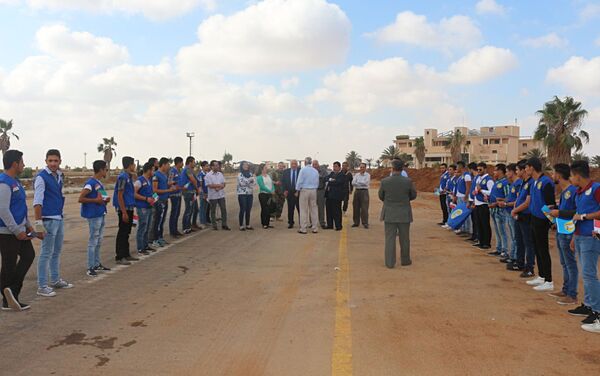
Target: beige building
[{"x": 501, "y": 144}]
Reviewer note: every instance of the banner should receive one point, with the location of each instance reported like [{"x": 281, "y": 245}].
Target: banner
[
  {"x": 565, "y": 226},
  {"x": 459, "y": 215}
]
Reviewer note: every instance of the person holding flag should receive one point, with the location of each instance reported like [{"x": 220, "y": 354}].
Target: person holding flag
[{"x": 499, "y": 215}]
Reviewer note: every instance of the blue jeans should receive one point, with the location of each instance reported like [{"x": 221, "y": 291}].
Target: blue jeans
[
  {"x": 96, "y": 226},
  {"x": 143, "y": 226},
  {"x": 160, "y": 213},
  {"x": 569, "y": 264},
  {"x": 526, "y": 255},
  {"x": 515, "y": 237},
  {"x": 203, "y": 209},
  {"x": 500, "y": 217},
  {"x": 589, "y": 249},
  {"x": 245, "y": 202},
  {"x": 50, "y": 254},
  {"x": 175, "y": 211},
  {"x": 188, "y": 201}
]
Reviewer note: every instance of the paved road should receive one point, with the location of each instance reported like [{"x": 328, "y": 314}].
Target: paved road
[{"x": 274, "y": 302}]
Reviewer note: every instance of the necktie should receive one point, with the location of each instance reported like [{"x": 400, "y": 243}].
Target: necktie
[{"x": 294, "y": 179}]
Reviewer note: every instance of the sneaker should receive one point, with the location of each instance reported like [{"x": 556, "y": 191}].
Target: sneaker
[
  {"x": 536, "y": 281},
  {"x": 582, "y": 310},
  {"x": 131, "y": 258},
  {"x": 123, "y": 262},
  {"x": 559, "y": 294},
  {"x": 446, "y": 227},
  {"x": 5, "y": 306},
  {"x": 494, "y": 253},
  {"x": 62, "y": 284},
  {"x": 302, "y": 232},
  {"x": 514, "y": 267},
  {"x": 591, "y": 318},
  {"x": 11, "y": 301},
  {"x": 366, "y": 226},
  {"x": 249, "y": 228},
  {"x": 242, "y": 228},
  {"x": 226, "y": 228},
  {"x": 156, "y": 244},
  {"x": 567, "y": 300},
  {"x": 44, "y": 291},
  {"x": 91, "y": 272},
  {"x": 102, "y": 268},
  {"x": 24, "y": 306},
  {"x": 527, "y": 274},
  {"x": 457, "y": 232},
  {"x": 546, "y": 286},
  {"x": 441, "y": 224},
  {"x": 485, "y": 247},
  {"x": 187, "y": 231},
  {"x": 354, "y": 225},
  {"x": 505, "y": 260},
  {"x": 315, "y": 231},
  {"x": 149, "y": 249},
  {"x": 162, "y": 242},
  {"x": 143, "y": 252},
  {"x": 592, "y": 328}
]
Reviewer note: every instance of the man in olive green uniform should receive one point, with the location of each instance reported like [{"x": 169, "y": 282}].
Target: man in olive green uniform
[
  {"x": 397, "y": 192},
  {"x": 279, "y": 196}
]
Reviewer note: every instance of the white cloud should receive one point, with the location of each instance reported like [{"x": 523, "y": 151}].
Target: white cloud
[
  {"x": 454, "y": 33},
  {"x": 481, "y": 65},
  {"x": 269, "y": 37},
  {"x": 590, "y": 12},
  {"x": 289, "y": 83},
  {"x": 551, "y": 40},
  {"x": 578, "y": 74},
  {"x": 489, "y": 7},
  {"x": 152, "y": 9},
  {"x": 597, "y": 41}
]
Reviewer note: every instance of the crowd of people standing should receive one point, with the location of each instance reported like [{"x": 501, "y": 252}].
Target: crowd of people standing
[{"x": 519, "y": 203}]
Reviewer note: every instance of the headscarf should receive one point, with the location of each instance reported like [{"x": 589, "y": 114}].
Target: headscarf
[{"x": 245, "y": 173}]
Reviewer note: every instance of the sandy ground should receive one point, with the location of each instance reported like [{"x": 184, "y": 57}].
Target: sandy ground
[{"x": 271, "y": 302}]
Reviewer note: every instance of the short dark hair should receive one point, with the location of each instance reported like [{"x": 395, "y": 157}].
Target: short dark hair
[
  {"x": 163, "y": 161},
  {"x": 472, "y": 166},
  {"x": 512, "y": 167},
  {"x": 214, "y": 162},
  {"x": 501, "y": 167},
  {"x": 189, "y": 160},
  {"x": 336, "y": 163},
  {"x": 148, "y": 166},
  {"x": 444, "y": 165},
  {"x": 397, "y": 165},
  {"x": 363, "y": 163},
  {"x": 10, "y": 157},
  {"x": 204, "y": 163},
  {"x": 177, "y": 160},
  {"x": 482, "y": 165},
  {"x": 460, "y": 164},
  {"x": 521, "y": 164},
  {"x": 53, "y": 152},
  {"x": 452, "y": 166},
  {"x": 152, "y": 160},
  {"x": 98, "y": 165},
  {"x": 563, "y": 170},
  {"x": 535, "y": 163},
  {"x": 581, "y": 168},
  {"x": 127, "y": 161}
]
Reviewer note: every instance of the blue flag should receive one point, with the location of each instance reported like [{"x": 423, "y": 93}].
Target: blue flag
[
  {"x": 565, "y": 226},
  {"x": 459, "y": 215}
]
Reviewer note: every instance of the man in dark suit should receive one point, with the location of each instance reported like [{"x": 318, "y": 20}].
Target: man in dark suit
[
  {"x": 334, "y": 195},
  {"x": 397, "y": 192},
  {"x": 347, "y": 186},
  {"x": 288, "y": 182}
]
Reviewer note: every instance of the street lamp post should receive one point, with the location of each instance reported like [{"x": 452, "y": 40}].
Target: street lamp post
[{"x": 190, "y": 135}]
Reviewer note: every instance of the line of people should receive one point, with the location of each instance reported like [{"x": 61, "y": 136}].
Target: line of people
[{"x": 519, "y": 201}]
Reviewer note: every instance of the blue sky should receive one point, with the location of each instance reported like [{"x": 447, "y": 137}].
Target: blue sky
[{"x": 526, "y": 40}]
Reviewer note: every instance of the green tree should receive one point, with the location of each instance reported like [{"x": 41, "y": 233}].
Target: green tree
[
  {"x": 353, "y": 159},
  {"x": 420, "y": 151},
  {"x": 227, "y": 158},
  {"x": 5, "y": 133},
  {"x": 389, "y": 153},
  {"x": 378, "y": 163},
  {"x": 456, "y": 144},
  {"x": 369, "y": 162},
  {"x": 539, "y": 154},
  {"x": 580, "y": 157},
  {"x": 559, "y": 128},
  {"x": 108, "y": 148},
  {"x": 596, "y": 161}
]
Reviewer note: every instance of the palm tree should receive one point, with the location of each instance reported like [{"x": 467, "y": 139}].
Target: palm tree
[
  {"x": 560, "y": 128},
  {"x": 420, "y": 151},
  {"x": 539, "y": 154},
  {"x": 456, "y": 145},
  {"x": 108, "y": 148},
  {"x": 378, "y": 163},
  {"x": 391, "y": 152},
  {"x": 353, "y": 159},
  {"x": 596, "y": 161},
  {"x": 227, "y": 158},
  {"x": 580, "y": 157},
  {"x": 5, "y": 133},
  {"x": 369, "y": 162}
]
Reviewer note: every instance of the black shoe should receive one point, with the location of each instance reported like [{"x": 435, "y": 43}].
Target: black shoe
[
  {"x": 328, "y": 228},
  {"x": 582, "y": 310},
  {"x": 514, "y": 267},
  {"x": 226, "y": 228},
  {"x": 143, "y": 253},
  {"x": 355, "y": 225},
  {"x": 505, "y": 260},
  {"x": 215, "y": 228},
  {"x": 91, "y": 272},
  {"x": 101, "y": 268},
  {"x": 131, "y": 258},
  {"x": 338, "y": 229},
  {"x": 366, "y": 226},
  {"x": 485, "y": 247},
  {"x": 527, "y": 274},
  {"x": 476, "y": 245},
  {"x": 441, "y": 223},
  {"x": 290, "y": 225},
  {"x": 494, "y": 253},
  {"x": 591, "y": 318},
  {"x": 24, "y": 306}
]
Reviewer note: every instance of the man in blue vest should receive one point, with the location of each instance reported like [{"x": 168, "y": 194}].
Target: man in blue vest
[
  {"x": 443, "y": 194},
  {"x": 48, "y": 203},
  {"x": 463, "y": 187},
  {"x": 175, "y": 196},
  {"x": 450, "y": 188},
  {"x": 500, "y": 216},
  {"x": 124, "y": 202},
  {"x": 189, "y": 186},
  {"x": 541, "y": 193},
  {"x": 160, "y": 185},
  {"x": 15, "y": 232},
  {"x": 508, "y": 205},
  {"x": 482, "y": 189},
  {"x": 586, "y": 242},
  {"x": 522, "y": 215},
  {"x": 204, "y": 209},
  {"x": 93, "y": 199},
  {"x": 472, "y": 167},
  {"x": 144, "y": 200}
]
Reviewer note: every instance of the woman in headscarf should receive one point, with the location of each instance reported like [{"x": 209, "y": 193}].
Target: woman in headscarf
[{"x": 245, "y": 192}]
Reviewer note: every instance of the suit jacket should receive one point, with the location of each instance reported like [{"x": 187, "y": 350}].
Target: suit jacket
[
  {"x": 286, "y": 180},
  {"x": 335, "y": 186},
  {"x": 397, "y": 192}
]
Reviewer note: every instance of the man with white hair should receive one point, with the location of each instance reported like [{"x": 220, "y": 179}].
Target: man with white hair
[{"x": 306, "y": 190}]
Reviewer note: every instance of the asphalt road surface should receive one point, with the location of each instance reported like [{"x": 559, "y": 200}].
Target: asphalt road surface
[{"x": 274, "y": 302}]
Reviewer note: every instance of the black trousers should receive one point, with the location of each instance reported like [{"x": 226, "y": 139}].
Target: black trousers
[
  {"x": 292, "y": 204},
  {"x": 122, "y": 245},
  {"x": 265, "y": 213},
  {"x": 539, "y": 230},
  {"x": 444, "y": 206},
  {"x": 17, "y": 257},
  {"x": 474, "y": 221},
  {"x": 484, "y": 229},
  {"x": 345, "y": 202},
  {"x": 334, "y": 213}
]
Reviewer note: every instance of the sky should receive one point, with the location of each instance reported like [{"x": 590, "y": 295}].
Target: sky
[{"x": 280, "y": 79}]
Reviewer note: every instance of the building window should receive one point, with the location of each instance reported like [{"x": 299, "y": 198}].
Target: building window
[
  {"x": 496, "y": 141},
  {"x": 469, "y": 142},
  {"x": 427, "y": 133},
  {"x": 485, "y": 141},
  {"x": 410, "y": 144},
  {"x": 494, "y": 151},
  {"x": 524, "y": 145}
]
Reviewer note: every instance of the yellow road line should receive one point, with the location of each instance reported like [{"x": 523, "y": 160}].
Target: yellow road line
[{"x": 341, "y": 359}]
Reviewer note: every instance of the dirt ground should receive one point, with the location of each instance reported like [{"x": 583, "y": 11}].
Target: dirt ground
[{"x": 274, "y": 302}]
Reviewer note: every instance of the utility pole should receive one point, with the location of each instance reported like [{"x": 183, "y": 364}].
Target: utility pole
[
  {"x": 190, "y": 135},
  {"x": 84, "y": 160}
]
